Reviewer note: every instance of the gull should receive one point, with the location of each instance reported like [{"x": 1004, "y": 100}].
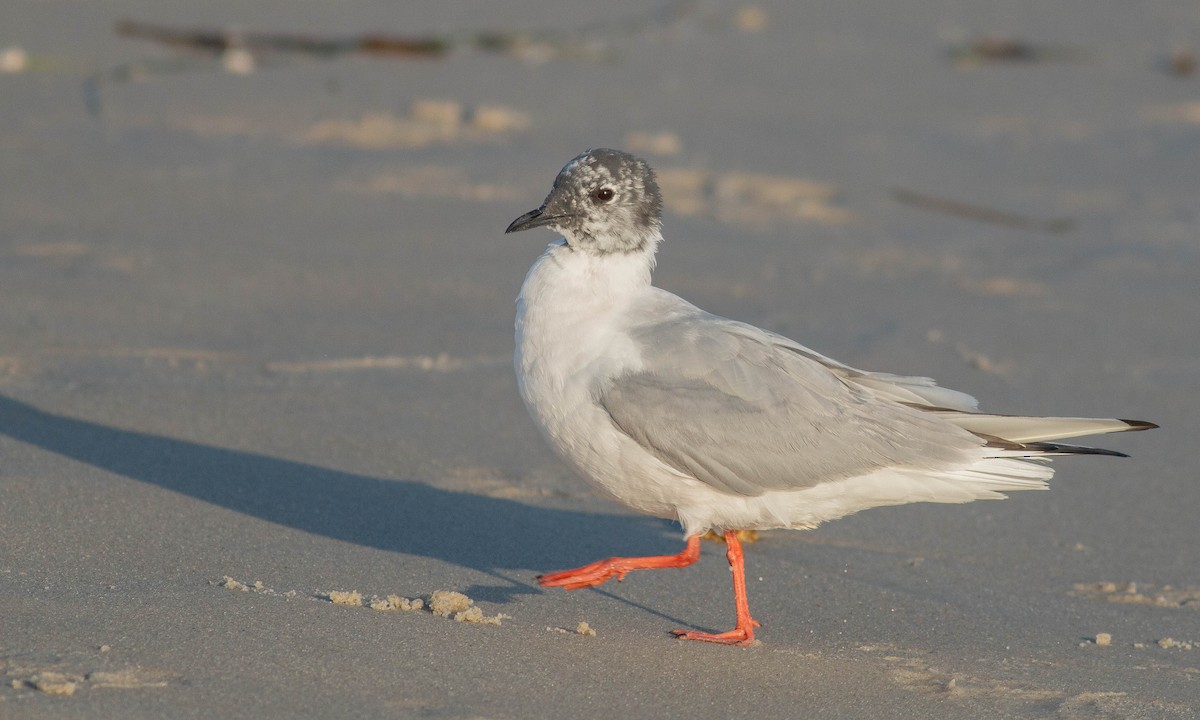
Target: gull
[{"x": 721, "y": 425}]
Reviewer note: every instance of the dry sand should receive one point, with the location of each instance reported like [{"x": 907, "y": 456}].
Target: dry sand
[{"x": 255, "y": 321}]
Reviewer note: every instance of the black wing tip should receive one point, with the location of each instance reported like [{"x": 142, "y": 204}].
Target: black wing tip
[
  {"x": 1062, "y": 449},
  {"x": 1047, "y": 448},
  {"x": 1135, "y": 425}
]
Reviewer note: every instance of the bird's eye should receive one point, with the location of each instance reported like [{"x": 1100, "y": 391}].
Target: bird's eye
[{"x": 603, "y": 195}]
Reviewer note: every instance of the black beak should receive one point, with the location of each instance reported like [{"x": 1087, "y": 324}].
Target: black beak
[{"x": 532, "y": 219}]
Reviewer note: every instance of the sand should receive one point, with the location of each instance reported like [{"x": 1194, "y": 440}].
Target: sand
[{"x": 256, "y": 400}]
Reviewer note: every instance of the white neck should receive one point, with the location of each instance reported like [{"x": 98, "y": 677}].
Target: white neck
[
  {"x": 572, "y": 312},
  {"x": 589, "y": 281}
]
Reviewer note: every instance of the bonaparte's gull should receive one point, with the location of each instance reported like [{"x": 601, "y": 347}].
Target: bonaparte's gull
[{"x": 721, "y": 425}]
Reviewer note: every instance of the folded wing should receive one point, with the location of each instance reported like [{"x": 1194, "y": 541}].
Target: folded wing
[{"x": 749, "y": 412}]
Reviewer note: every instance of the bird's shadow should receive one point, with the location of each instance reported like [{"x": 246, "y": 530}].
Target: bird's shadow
[{"x": 497, "y": 536}]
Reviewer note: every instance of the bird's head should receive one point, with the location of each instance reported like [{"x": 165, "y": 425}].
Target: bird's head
[{"x": 603, "y": 202}]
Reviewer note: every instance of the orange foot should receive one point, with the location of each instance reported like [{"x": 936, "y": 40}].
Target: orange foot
[
  {"x": 741, "y": 636},
  {"x": 601, "y": 570},
  {"x": 586, "y": 576}
]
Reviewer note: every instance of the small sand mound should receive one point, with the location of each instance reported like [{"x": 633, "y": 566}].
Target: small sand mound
[
  {"x": 447, "y": 602},
  {"x": 443, "y": 603},
  {"x": 451, "y": 604},
  {"x": 583, "y": 628},
  {"x": 230, "y": 584},
  {"x": 257, "y": 586},
  {"x": 395, "y": 602},
  {"x": 352, "y": 598},
  {"x": 55, "y": 683}
]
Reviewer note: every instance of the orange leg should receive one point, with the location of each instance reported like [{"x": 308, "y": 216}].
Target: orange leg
[
  {"x": 743, "y": 633},
  {"x": 602, "y": 570}
]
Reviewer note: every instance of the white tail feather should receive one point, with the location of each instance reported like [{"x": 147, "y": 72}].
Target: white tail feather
[{"x": 1033, "y": 429}]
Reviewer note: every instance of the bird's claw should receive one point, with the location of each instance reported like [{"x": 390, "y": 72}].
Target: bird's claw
[{"x": 739, "y": 636}]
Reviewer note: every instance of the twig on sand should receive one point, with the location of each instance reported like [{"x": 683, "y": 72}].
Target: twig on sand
[
  {"x": 1002, "y": 49},
  {"x": 956, "y": 208},
  {"x": 220, "y": 41},
  {"x": 581, "y": 43}
]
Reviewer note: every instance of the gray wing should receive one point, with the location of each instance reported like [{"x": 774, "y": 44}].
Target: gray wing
[{"x": 731, "y": 406}]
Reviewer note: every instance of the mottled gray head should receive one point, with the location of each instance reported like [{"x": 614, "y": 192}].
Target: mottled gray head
[{"x": 604, "y": 201}]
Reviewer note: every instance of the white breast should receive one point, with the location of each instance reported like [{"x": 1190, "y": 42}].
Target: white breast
[{"x": 570, "y": 335}]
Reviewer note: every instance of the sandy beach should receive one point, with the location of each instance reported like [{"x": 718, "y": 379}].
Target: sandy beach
[{"x": 261, "y": 448}]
